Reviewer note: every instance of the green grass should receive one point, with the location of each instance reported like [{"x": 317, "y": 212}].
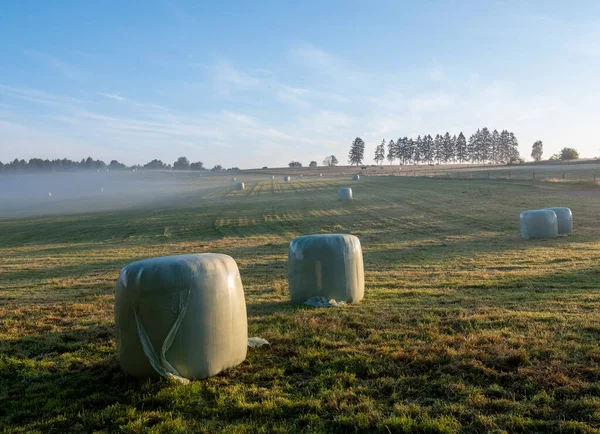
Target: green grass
[{"x": 464, "y": 326}]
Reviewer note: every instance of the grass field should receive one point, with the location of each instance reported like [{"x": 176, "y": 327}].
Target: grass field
[{"x": 464, "y": 327}]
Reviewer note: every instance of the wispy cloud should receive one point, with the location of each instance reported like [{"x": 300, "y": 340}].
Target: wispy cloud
[{"x": 112, "y": 96}]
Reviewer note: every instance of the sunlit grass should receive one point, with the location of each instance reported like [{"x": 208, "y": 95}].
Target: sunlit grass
[{"x": 464, "y": 326}]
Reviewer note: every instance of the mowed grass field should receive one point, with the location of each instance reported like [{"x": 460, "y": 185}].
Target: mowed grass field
[{"x": 464, "y": 327}]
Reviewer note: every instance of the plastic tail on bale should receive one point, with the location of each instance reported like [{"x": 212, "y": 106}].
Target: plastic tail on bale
[
  {"x": 565, "y": 219},
  {"x": 344, "y": 193},
  {"x": 181, "y": 317},
  {"x": 329, "y": 265},
  {"x": 539, "y": 224}
]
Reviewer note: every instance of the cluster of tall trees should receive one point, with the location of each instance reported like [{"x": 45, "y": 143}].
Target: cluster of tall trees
[
  {"x": 481, "y": 147},
  {"x": 57, "y": 165}
]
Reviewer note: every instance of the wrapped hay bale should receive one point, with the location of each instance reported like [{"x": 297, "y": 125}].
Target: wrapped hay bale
[
  {"x": 344, "y": 193},
  {"x": 233, "y": 179},
  {"x": 181, "y": 317},
  {"x": 286, "y": 178},
  {"x": 356, "y": 177},
  {"x": 273, "y": 177},
  {"x": 320, "y": 175},
  {"x": 240, "y": 186},
  {"x": 342, "y": 174},
  {"x": 539, "y": 224},
  {"x": 564, "y": 217},
  {"x": 301, "y": 176},
  {"x": 329, "y": 265}
]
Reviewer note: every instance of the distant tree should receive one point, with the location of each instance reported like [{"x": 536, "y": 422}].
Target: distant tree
[
  {"x": 438, "y": 148},
  {"x": 427, "y": 148},
  {"x": 357, "y": 152},
  {"x": 312, "y": 164},
  {"x": 330, "y": 161},
  {"x": 155, "y": 164},
  {"x": 295, "y": 164},
  {"x": 496, "y": 147},
  {"x": 380, "y": 152},
  {"x": 198, "y": 165},
  {"x": 417, "y": 156},
  {"x": 182, "y": 163},
  {"x": 569, "y": 154},
  {"x": 537, "y": 150},
  {"x": 448, "y": 148},
  {"x": 115, "y": 165},
  {"x": 391, "y": 154},
  {"x": 234, "y": 169},
  {"x": 217, "y": 168}
]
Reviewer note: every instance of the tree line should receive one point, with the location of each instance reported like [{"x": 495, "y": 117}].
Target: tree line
[
  {"x": 483, "y": 146},
  {"x": 58, "y": 165}
]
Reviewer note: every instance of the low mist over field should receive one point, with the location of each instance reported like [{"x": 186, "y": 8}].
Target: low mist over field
[{"x": 29, "y": 195}]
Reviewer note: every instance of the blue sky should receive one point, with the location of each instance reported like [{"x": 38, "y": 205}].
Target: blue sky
[{"x": 262, "y": 83}]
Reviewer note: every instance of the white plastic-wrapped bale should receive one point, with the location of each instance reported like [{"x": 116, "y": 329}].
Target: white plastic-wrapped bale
[
  {"x": 239, "y": 186},
  {"x": 181, "y": 317},
  {"x": 565, "y": 219},
  {"x": 273, "y": 177},
  {"x": 233, "y": 179},
  {"x": 301, "y": 176},
  {"x": 320, "y": 175},
  {"x": 539, "y": 224},
  {"x": 329, "y": 265},
  {"x": 356, "y": 177},
  {"x": 345, "y": 193},
  {"x": 342, "y": 174},
  {"x": 286, "y": 178}
]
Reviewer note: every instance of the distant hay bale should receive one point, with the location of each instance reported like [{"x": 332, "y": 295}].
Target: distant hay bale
[
  {"x": 273, "y": 177},
  {"x": 539, "y": 224},
  {"x": 342, "y": 173},
  {"x": 564, "y": 217},
  {"x": 102, "y": 190},
  {"x": 328, "y": 265},
  {"x": 301, "y": 176},
  {"x": 180, "y": 317},
  {"x": 233, "y": 179},
  {"x": 320, "y": 175},
  {"x": 240, "y": 186},
  {"x": 344, "y": 193},
  {"x": 287, "y": 178},
  {"x": 49, "y": 194},
  {"x": 356, "y": 177}
]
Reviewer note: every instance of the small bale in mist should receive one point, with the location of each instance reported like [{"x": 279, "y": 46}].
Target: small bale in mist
[
  {"x": 539, "y": 224},
  {"x": 320, "y": 175},
  {"x": 342, "y": 173},
  {"x": 301, "y": 176},
  {"x": 180, "y": 317},
  {"x": 233, "y": 179},
  {"x": 287, "y": 178},
  {"x": 240, "y": 186},
  {"x": 344, "y": 193},
  {"x": 273, "y": 177},
  {"x": 49, "y": 194},
  {"x": 564, "y": 217},
  {"x": 102, "y": 190},
  {"x": 326, "y": 265},
  {"x": 356, "y": 177}
]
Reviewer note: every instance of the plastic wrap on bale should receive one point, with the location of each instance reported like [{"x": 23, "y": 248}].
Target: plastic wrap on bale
[
  {"x": 356, "y": 177},
  {"x": 180, "y": 317},
  {"x": 539, "y": 224},
  {"x": 344, "y": 193},
  {"x": 328, "y": 265},
  {"x": 240, "y": 186},
  {"x": 286, "y": 178},
  {"x": 564, "y": 217}
]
